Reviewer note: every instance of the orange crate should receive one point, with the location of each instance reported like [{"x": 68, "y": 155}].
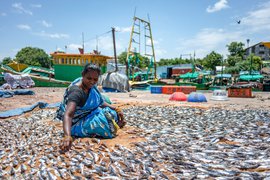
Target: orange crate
[
  {"x": 242, "y": 92},
  {"x": 170, "y": 89},
  {"x": 188, "y": 89}
]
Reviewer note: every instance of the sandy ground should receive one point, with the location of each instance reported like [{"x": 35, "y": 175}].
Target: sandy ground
[{"x": 261, "y": 100}]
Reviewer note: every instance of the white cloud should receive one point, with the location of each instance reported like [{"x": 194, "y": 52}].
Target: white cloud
[
  {"x": 53, "y": 35},
  {"x": 105, "y": 43},
  {"x": 74, "y": 47},
  {"x": 258, "y": 19},
  {"x": 3, "y": 14},
  {"x": 36, "y": 5},
  {"x": 45, "y": 23},
  {"x": 123, "y": 29},
  {"x": 24, "y": 27},
  {"x": 59, "y": 49},
  {"x": 19, "y": 8},
  {"x": 159, "y": 53},
  {"x": 221, "y": 4},
  {"x": 208, "y": 40}
]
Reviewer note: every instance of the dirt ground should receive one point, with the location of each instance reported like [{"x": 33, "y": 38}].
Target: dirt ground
[{"x": 261, "y": 100}]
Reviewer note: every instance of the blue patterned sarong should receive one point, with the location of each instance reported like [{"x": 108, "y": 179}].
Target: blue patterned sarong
[{"x": 90, "y": 119}]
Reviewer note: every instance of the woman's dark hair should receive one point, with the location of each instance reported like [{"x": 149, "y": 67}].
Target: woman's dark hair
[{"x": 91, "y": 67}]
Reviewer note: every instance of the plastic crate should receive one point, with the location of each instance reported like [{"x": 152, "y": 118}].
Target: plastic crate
[
  {"x": 170, "y": 89},
  {"x": 188, "y": 89},
  {"x": 184, "y": 89},
  {"x": 241, "y": 92},
  {"x": 156, "y": 89}
]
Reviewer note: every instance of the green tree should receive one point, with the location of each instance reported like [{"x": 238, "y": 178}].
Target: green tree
[
  {"x": 136, "y": 60},
  {"x": 232, "y": 60},
  {"x": 162, "y": 62},
  {"x": 252, "y": 63},
  {"x": 175, "y": 61},
  {"x": 122, "y": 58},
  {"x": 33, "y": 56},
  {"x": 212, "y": 60},
  {"x": 6, "y": 60},
  {"x": 236, "y": 49},
  {"x": 255, "y": 62},
  {"x": 232, "y": 70}
]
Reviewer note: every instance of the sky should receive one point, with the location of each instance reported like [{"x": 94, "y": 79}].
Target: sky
[{"x": 179, "y": 27}]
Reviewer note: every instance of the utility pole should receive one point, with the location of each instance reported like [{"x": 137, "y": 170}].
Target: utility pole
[
  {"x": 222, "y": 70},
  {"x": 192, "y": 62},
  {"x": 97, "y": 44},
  {"x": 248, "y": 45},
  {"x": 83, "y": 42},
  {"x": 250, "y": 56},
  {"x": 114, "y": 48}
]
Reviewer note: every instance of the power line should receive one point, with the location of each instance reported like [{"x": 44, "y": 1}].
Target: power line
[{"x": 97, "y": 36}]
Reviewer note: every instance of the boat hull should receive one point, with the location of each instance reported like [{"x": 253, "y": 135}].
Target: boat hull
[
  {"x": 40, "y": 81},
  {"x": 198, "y": 86}
]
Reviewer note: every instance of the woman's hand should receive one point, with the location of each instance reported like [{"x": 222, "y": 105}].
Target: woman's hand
[
  {"x": 69, "y": 114},
  {"x": 66, "y": 143},
  {"x": 121, "y": 121}
]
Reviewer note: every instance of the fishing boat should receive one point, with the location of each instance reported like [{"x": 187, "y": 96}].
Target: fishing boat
[
  {"x": 141, "y": 80},
  {"x": 265, "y": 71},
  {"x": 41, "y": 76},
  {"x": 250, "y": 79},
  {"x": 221, "y": 81},
  {"x": 201, "y": 80},
  {"x": 68, "y": 66},
  {"x": 140, "y": 85}
]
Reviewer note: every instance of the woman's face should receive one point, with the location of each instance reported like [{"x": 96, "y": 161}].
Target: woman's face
[{"x": 90, "y": 78}]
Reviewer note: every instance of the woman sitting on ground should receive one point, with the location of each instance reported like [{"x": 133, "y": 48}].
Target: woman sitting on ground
[{"x": 85, "y": 113}]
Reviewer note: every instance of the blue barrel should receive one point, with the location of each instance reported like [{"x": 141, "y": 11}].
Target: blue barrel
[{"x": 156, "y": 89}]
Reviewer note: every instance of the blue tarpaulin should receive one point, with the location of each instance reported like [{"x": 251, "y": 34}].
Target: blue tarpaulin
[
  {"x": 8, "y": 93},
  {"x": 19, "y": 111}
]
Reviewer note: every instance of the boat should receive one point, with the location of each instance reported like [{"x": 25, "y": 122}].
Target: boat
[
  {"x": 68, "y": 66},
  {"x": 141, "y": 80},
  {"x": 221, "y": 81},
  {"x": 201, "y": 80},
  {"x": 250, "y": 79},
  {"x": 140, "y": 85},
  {"x": 265, "y": 71},
  {"x": 41, "y": 76}
]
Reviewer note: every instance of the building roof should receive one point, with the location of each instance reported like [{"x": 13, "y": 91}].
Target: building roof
[
  {"x": 267, "y": 44},
  {"x": 54, "y": 54},
  {"x": 183, "y": 66}
]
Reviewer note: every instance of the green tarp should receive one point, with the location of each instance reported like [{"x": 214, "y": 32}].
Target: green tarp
[
  {"x": 189, "y": 75},
  {"x": 250, "y": 77}
]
